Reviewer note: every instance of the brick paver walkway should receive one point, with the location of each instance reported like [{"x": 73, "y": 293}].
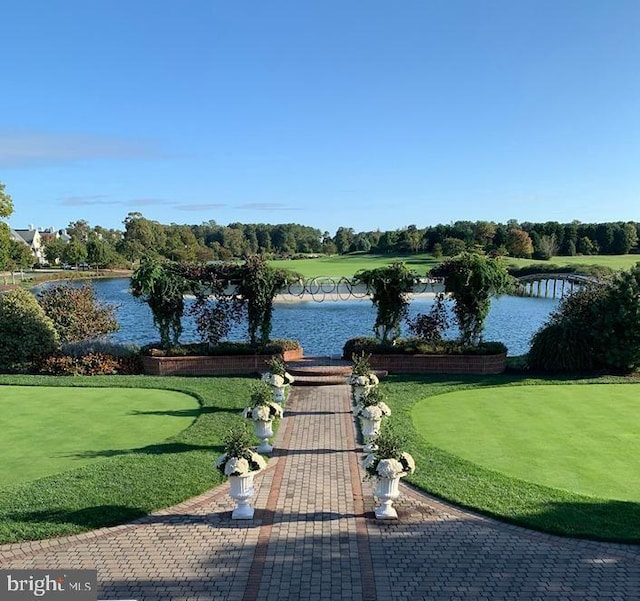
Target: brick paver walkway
[{"x": 314, "y": 537}]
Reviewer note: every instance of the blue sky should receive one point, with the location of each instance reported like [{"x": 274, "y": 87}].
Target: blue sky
[{"x": 358, "y": 113}]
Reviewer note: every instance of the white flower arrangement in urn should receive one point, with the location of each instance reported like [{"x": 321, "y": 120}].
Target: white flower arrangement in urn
[
  {"x": 362, "y": 378},
  {"x": 240, "y": 463},
  {"x": 371, "y": 410},
  {"x": 278, "y": 378},
  {"x": 263, "y": 410},
  {"x": 387, "y": 463}
]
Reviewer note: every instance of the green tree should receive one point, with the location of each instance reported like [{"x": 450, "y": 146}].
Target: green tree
[
  {"x": 453, "y": 246},
  {"x": 142, "y": 238},
  {"x": 6, "y": 203},
  {"x": 519, "y": 243},
  {"x": 389, "y": 287},
  {"x": 21, "y": 256},
  {"x": 26, "y": 333},
  {"x": 76, "y": 313},
  {"x": 472, "y": 279},
  {"x": 5, "y": 246},
  {"x": 99, "y": 253},
  {"x": 74, "y": 253},
  {"x": 54, "y": 250}
]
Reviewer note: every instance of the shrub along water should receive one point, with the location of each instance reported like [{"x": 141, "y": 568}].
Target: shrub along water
[{"x": 595, "y": 328}]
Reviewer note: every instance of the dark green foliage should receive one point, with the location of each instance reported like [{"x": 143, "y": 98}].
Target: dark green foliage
[
  {"x": 417, "y": 346},
  {"x": 164, "y": 292},
  {"x": 388, "y": 287},
  {"x": 361, "y": 365},
  {"x": 274, "y": 347},
  {"x": 26, "y": 333},
  {"x": 76, "y": 313},
  {"x": 258, "y": 285},
  {"x": 597, "y": 327},
  {"x": 472, "y": 279},
  {"x": 599, "y": 271}
]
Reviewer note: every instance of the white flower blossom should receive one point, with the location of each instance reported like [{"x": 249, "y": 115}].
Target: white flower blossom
[
  {"x": 372, "y": 412},
  {"x": 237, "y": 466},
  {"x": 384, "y": 408},
  {"x": 410, "y": 464},
  {"x": 258, "y": 460},
  {"x": 262, "y": 413},
  {"x": 289, "y": 378},
  {"x": 369, "y": 461},
  {"x": 389, "y": 468},
  {"x": 373, "y": 380}
]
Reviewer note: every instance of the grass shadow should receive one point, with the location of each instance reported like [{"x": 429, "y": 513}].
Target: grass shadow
[
  {"x": 165, "y": 448},
  {"x": 195, "y": 412}
]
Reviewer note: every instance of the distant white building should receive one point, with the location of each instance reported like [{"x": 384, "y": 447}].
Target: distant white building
[{"x": 33, "y": 239}]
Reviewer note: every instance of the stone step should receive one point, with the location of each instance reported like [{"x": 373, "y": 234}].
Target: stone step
[
  {"x": 320, "y": 380},
  {"x": 319, "y": 367}
]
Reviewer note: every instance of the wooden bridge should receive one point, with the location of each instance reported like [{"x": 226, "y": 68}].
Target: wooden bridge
[{"x": 552, "y": 285}]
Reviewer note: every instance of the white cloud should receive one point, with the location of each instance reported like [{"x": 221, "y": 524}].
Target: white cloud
[{"x": 35, "y": 149}]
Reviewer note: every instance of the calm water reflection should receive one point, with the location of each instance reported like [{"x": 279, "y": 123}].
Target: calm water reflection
[{"x": 322, "y": 328}]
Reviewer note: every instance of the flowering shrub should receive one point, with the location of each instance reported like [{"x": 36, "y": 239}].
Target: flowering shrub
[
  {"x": 91, "y": 364},
  {"x": 262, "y": 407},
  {"x": 239, "y": 458},
  {"x": 388, "y": 460}
]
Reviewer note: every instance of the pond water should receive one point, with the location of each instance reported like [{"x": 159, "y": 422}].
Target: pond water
[{"x": 322, "y": 328}]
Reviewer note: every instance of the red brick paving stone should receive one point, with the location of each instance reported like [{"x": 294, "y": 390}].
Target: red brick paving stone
[{"x": 312, "y": 552}]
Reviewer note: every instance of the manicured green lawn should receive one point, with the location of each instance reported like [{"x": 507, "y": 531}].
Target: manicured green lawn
[
  {"x": 127, "y": 479},
  {"x": 580, "y": 438},
  {"x": 347, "y": 265},
  {"x": 515, "y": 497},
  {"x": 48, "y": 430},
  {"x": 612, "y": 261}
]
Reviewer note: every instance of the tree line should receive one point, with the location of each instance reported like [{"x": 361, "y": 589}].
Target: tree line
[{"x": 209, "y": 241}]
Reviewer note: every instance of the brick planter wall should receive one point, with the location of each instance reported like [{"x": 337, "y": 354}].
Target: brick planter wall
[
  {"x": 440, "y": 364},
  {"x": 211, "y": 366}
]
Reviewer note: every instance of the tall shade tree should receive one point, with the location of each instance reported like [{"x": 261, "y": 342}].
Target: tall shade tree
[
  {"x": 6, "y": 203},
  {"x": 20, "y": 254},
  {"x": 75, "y": 252}
]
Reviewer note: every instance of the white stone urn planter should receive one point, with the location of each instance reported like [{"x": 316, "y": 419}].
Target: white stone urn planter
[
  {"x": 264, "y": 431},
  {"x": 240, "y": 464},
  {"x": 387, "y": 491},
  {"x": 361, "y": 385},
  {"x": 387, "y": 473},
  {"x": 241, "y": 491},
  {"x": 263, "y": 411},
  {"x": 370, "y": 421},
  {"x": 370, "y": 429}
]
